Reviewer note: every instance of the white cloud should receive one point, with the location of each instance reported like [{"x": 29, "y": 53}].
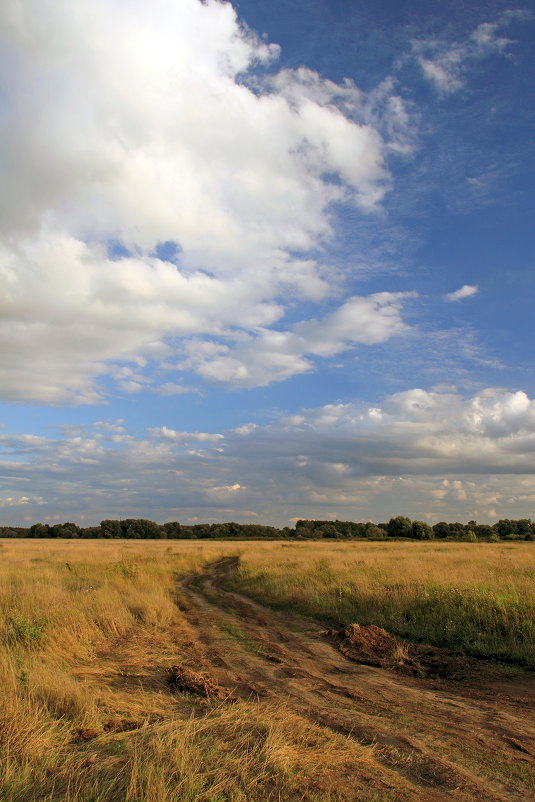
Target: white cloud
[
  {"x": 429, "y": 454},
  {"x": 110, "y": 426},
  {"x": 246, "y": 428},
  {"x": 239, "y": 176},
  {"x": 227, "y": 488},
  {"x": 183, "y": 437},
  {"x": 444, "y": 63},
  {"x": 20, "y": 501},
  {"x": 466, "y": 291},
  {"x": 270, "y": 355}
]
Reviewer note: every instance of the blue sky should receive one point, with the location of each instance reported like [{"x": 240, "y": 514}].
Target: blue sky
[{"x": 266, "y": 261}]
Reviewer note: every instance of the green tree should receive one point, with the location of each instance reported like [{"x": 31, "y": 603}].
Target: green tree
[
  {"x": 39, "y": 530},
  {"x": 505, "y": 527},
  {"x": 173, "y": 529},
  {"x": 421, "y": 531},
  {"x": 399, "y": 527},
  {"x": 140, "y": 528},
  {"x": 110, "y": 528},
  {"x": 442, "y": 529},
  {"x": 327, "y": 530},
  {"x": 374, "y": 531}
]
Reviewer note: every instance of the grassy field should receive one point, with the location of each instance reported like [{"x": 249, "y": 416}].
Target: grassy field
[
  {"x": 82, "y": 622},
  {"x": 477, "y": 597}
]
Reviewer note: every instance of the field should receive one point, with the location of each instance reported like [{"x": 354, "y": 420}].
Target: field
[{"x": 262, "y": 705}]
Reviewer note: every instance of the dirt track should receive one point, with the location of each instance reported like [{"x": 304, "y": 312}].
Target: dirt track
[{"x": 435, "y": 740}]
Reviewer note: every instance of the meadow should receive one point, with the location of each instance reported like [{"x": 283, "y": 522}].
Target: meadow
[
  {"x": 476, "y": 597},
  {"x": 89, "y": 629}
]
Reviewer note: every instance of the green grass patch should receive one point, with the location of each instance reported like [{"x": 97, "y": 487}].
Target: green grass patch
[
  {"x": 24, "y": 631},
  {"x": 235, "y": 633}
]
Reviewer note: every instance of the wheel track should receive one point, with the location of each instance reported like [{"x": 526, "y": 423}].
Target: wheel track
[{"x": 261, "y": 654}]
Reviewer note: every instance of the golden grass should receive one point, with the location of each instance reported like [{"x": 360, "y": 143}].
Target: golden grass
[
  {"x": 479, "y": 597},
  {"x": 88, "y": 628},
  {"x": 87, "y": 631}
]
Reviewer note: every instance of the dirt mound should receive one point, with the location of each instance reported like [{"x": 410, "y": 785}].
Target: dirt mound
[
  {"x": 80, "y": 735},
  {"x": 374, "y": 646},
  {"x": 122, "y": 725},
  {"x": 369, "y": 645},
  {"x": 113, "y": 725},
  {"x": 444, "y": 663},
  {"x": 183, "y": 679}
]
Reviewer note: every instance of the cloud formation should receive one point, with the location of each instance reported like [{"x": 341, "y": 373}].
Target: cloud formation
[
  {"x": 466, "y": 291},
  {"x": 210, "y": 163},
  {"x": 429, "y": 454},
  {"x": 270, "y": 355},
  {"x": 444, "y": 64}
]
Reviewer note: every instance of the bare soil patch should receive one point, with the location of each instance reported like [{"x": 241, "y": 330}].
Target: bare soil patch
[
  {"x": 442, "y": 725},
  {"x": 373, "y": 646}
]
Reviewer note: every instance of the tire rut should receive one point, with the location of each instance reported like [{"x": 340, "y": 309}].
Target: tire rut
[{"x": 419, "y": 728}]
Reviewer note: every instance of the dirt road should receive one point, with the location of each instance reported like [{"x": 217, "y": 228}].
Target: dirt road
[{"x": 434, "y": 739}]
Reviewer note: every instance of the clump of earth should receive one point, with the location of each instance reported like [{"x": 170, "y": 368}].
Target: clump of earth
[
  {"x": 374, "y": 646},
  {"x": 184, "y": 680}
]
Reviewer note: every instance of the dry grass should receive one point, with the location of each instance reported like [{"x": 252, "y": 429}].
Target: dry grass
[
  {"x": 88, "y": 629},
  {"x": 473, "y": 596}
]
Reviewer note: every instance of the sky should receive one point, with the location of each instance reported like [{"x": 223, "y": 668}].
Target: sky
[{"x": 263, "y": 261}]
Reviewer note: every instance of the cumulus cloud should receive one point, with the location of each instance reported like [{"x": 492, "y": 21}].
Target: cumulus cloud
[
  {"x": 18, "y": 501},
  {"x": 182, "y": 437},
  {"x": 429, "y": 454},
  {"x": 444, "y": 64},
  {"x": 270, "y": 355},
  {"x": 226, "y": 173},
  {"x": 466, "y": 291},
  {"x": 110, "y": 426}
]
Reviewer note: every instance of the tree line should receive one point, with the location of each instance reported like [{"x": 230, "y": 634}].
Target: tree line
[{"x": 397, "y": 527}]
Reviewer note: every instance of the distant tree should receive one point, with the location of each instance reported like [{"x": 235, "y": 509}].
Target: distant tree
[
  {"x": 110, "y": 528},
  {"x": 39, "y": 530},
  {"x": 327, "y": 530},
  {"x": 523, "y": 526},
  {"x": 421, "y": 531},
  {"x": 304, "y": 529},
  {"x": 442, "y": 529},
  {"x": 91, "y": 532},
  {"x": 374, "y": 531},
  {"x": 69, "y": 530},
  {"x": 173, "y": 529},
  {"x": 483, "y": 530},
  {"x": 400, "y": 526},
  {"x": 140, "y": 528},
  {"x": 505, "y": 527},
  {"x": 202, "y": 530}
]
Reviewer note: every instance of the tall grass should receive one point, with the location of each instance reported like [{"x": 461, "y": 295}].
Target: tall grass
[
  {"x": 86, "y": 632},
  {"x": 476, "y": 597}
]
